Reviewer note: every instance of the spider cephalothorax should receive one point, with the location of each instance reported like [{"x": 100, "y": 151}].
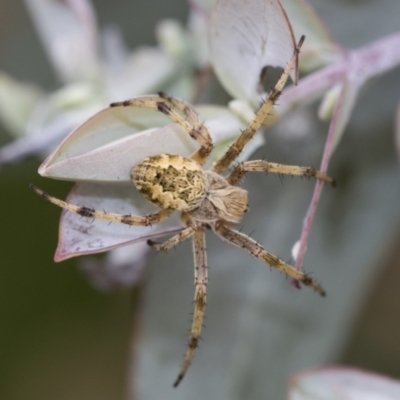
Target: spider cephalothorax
[{"x": 205, "y": 198}]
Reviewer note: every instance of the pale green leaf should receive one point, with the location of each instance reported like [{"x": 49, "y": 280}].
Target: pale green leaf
[
  {"x": 79, "y": 236},
  {"x": 244, "y": 38},
  {"x": 107, "y": 146},
  {"x": 343, "y": 384},
  {"x": 319, "y": 49}
]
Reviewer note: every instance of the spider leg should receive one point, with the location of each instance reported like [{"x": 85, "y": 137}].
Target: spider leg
[
  {"x": 256, "y": 250},
  {"x": 236, "y": 148},
  {"x": 190, "y": 122},
  {"x": 239, "y": 172},
  {"x": 174, "y": 240},
  {"x": 200, "y": 299},
  {"x": 91, "y": 213},
  {"x": 197, "y": 130}
]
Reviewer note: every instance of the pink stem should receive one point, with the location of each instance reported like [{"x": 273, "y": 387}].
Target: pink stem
[
  {"x": 357, "y": 67},
  {"x": 360, "y": 65},
  {"x": 319, "y": 185}
]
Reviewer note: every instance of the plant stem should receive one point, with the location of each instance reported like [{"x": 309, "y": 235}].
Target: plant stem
[{"x": 357, "y": 66}]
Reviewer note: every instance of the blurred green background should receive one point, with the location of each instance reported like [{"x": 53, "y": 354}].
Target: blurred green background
[{"x": 60, "y": 338}]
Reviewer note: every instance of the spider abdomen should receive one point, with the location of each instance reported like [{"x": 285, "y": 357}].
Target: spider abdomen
[{"x": 171, "y": 182}]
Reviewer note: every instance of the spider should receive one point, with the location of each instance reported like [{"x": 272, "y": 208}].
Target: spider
[{"x": 205, "y": 198}]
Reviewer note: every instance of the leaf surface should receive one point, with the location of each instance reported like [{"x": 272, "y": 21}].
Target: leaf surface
[{"x": 244, "y": 38}]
